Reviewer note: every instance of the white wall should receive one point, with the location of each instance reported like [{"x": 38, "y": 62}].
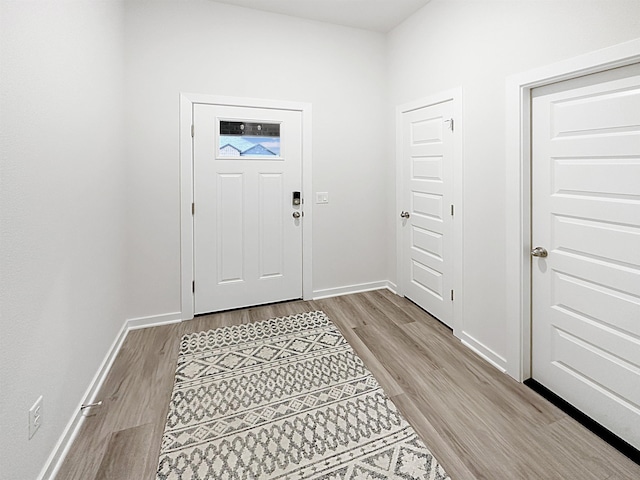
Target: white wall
[
  {"x": 476, "y": 45},
  {"x": 61, "y": 222},
  {"x": 205, "y": 47}
]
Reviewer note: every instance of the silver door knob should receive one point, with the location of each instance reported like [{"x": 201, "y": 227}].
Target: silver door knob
[
  {"x": 539, "y": 252},
  {"x": 296, "y": 214},
  {"x": 404, "y": 214}
]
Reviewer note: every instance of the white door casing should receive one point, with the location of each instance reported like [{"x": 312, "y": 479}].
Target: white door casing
[
  {"x": 247, "y": 243},
  {"x": 586, "y": 214},
  {"x": 429, "y": 187},
  {"x": 262, "y": 252}
]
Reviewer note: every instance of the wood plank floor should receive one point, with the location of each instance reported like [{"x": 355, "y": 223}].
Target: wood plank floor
[{"x": 478, "y": 422}]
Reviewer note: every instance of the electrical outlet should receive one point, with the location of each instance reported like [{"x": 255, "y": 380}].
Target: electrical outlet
[{"x": 35, "y": 417}]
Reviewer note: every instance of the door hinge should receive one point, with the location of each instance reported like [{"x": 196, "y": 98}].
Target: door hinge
[
  {"x": 192, "y": 131},
  {"x": 452, "y": 295},
  {"x": 452, "y": 210},
  {"x": 193, "y": 286},
  {"x": 193, "y": 209},
  {"x": 450, "y": 122}
]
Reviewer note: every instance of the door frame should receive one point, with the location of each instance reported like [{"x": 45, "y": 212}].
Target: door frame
[
  {"x": 454, "y": 95},
  {"x": 187, "y": 102},
  {"x": 518, "y": 187}
]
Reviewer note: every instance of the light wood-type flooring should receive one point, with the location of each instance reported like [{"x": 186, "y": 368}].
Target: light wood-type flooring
[{"x": 477, "y": 421}]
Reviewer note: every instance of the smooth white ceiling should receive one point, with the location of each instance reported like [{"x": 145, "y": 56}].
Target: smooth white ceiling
[{"x": 376, "y": 15}]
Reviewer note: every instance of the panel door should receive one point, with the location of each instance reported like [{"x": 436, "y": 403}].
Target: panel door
[
  {"x": 247, "y": 239},
  {"x": 427, "y": 236},
  {"x": 586, "y": 215}
]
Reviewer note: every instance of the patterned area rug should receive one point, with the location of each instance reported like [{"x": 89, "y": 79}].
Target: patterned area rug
[{"x": 284, "y": 398}]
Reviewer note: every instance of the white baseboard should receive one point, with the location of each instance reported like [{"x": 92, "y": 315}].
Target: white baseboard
[
  {"x": 54, "y": 462},
  {"x": 349, "y": 289},
  {"x": 154, "y": 320},
  {"x": 393, "y": 288},
  {"x": 489, "y": 355}
]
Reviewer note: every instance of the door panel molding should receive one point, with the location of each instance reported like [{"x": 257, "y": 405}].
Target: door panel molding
[
  {"x": 429, "y": 168},
  {"x": 518, "y": 191},
  {"x": 187, "y": 102}
]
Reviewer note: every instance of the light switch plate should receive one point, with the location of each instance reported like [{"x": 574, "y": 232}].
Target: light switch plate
[{"x": 322, "y": 197}]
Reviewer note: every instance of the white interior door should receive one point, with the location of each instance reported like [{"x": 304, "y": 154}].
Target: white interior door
[
  {"x": 586, "y": 215},
  {"x": 427, "y": 224},
  {"x": 247, "y": 225}
]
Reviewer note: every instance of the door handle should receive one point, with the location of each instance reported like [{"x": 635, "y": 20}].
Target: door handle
[
  {"x": 296, "y": 214},
  {"x": 404, "y": 214},
  {"x": 539, "y": 252}
]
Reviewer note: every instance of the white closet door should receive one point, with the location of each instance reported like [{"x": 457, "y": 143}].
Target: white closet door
[
  {"x": 586, "y": 215},
  {"x": 427, "y": 156}
]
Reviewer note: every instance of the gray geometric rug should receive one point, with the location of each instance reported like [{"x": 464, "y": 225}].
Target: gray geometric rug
[{"x": 285, "y": 398}]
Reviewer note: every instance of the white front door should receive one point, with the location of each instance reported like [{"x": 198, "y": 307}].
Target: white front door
[
  {"x": 427, "y": 222},
  {"x": 586, "y": 215},
  {"x": 247, "y": 219}
]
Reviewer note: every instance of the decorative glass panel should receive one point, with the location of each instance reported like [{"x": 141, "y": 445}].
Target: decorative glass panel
[{"x": 249, "y": 139}]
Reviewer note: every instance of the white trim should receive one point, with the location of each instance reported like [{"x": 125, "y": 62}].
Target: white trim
[
  {"x": 518, "y": 194},
  {"x": 187, "y": 100},
  {"x": 154, "y": 320},
  {"x": 307, "y": 189},
  {"x": 59, "y": 452},
  {"x": 485, "y": 352},
  {"x": 349, "y": 289},
  {"x": 456, "y": 96},
  {"x": 186, "y": 198},
  {"x": 392, "y": 287}
]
